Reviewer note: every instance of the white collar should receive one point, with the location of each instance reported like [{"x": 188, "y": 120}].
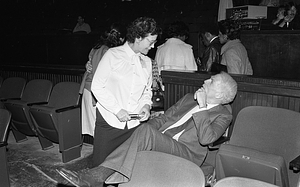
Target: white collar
[
  {"x": 213, "y": 39},
  {"x": 209, "y": 106}
]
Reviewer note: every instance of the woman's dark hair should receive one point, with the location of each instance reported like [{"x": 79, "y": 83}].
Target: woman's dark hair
[
  {"x": 112, "y": 37},
  {"x": 141, "y": 27},
  {"x": 231, "y": 28},
  {"x": 177, "y": 28}
]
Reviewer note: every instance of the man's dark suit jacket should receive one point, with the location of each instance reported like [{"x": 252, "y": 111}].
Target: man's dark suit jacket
[
  {"x": 215, "y": 48},
  {"x": 206, "y": 127}
]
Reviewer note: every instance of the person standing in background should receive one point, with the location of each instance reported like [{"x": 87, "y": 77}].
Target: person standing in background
[
  {"x": 234, "y": 53},
  {"x": 175, "y": 53},
  {"x": 115, "y": 36},
  {"x": 122, "y": 86},
  {"x": 212, "y": 53},
  {"x": 81, "y": 26}
]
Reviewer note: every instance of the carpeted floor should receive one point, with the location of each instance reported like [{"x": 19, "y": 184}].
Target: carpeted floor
[{"x": 30, "y": 166}]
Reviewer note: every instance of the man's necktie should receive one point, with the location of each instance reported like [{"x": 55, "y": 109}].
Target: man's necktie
[{"x": 173, "y": 131}]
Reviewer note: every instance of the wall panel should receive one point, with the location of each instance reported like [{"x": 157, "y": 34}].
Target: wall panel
[{"x": 52, "y": 73}]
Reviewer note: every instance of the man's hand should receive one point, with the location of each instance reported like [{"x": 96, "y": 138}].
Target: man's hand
[
  {"x": 200, "y": 95},
  {"x": 145, "y": 111},
  {"x": 123, "y": 115}
]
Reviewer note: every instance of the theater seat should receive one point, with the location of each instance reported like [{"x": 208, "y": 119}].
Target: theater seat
[
  {"x": 263, "y": 142},
  {"x": 154, "y": 169},
  {"x": 12, "y": 88},
  {"x": 5, "y": 118},
  {"x": 59, "y": 120},
  {"x": 241, "y": 181},
  {"x": 36, "y": 91}
]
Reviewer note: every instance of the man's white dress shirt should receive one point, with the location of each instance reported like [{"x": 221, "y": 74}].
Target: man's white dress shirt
[{"x": 186, "y": 117}]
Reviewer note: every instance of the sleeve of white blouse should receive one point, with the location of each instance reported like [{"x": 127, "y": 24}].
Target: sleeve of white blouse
[
  {"x": 103, "y": 95},
  {"x": 147, "y": 95}
]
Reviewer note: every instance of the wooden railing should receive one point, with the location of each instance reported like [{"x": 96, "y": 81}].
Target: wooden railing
[
  {"x": 53, "y": 73},
  {"x": 251, "y": 90},
  {"x": 273, "y": 53}
]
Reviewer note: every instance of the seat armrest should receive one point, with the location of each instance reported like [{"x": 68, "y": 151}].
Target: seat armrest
[
  {"x": 37, "y": 103},
  {"x": 3, "y": 144},
  {"x": 216, "y": 144},
  {"x": 66, "y": 108},
  {"x": 5, "y": 99},
  {"x": 295, "y": 164}
]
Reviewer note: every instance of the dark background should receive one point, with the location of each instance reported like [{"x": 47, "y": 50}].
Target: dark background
[
  {"x": 34, "y": 31},
  {"x": 49, "y": 16}
]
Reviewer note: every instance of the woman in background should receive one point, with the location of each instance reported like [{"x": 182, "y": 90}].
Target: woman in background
[
  {"x": 175, "y": 53},
  {"x": 234, "y": 54}
]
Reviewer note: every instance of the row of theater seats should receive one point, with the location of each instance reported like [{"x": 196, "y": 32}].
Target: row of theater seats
[
  {"x": 49, "y": 112},
  {"x": 263, "y": 143},
  {"x": 5, "y": 118}
]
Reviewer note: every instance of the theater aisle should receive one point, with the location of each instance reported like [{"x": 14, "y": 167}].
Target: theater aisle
[{"x": 29, "y": 165}]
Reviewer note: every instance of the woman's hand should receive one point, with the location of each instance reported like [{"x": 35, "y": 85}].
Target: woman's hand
[
  {"x": 123, "y": 115},
  {"x": 200, "y": 96}
]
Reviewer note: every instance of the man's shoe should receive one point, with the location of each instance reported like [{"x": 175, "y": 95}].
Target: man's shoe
[{"x": 78, "y": 179}]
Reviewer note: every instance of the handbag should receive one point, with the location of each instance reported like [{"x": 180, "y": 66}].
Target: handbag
[{"x": 158, "y": 98}]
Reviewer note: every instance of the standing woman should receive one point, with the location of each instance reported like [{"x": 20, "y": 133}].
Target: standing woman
[
  {"x": 122, "y": 86},
  {"x": 234, "y": 54},
  {"x": 111, "y": 38}
]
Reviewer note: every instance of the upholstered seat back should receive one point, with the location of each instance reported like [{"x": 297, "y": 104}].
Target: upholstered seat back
[
  {"x": 37, "y": 90},
  {"x": 64, "y": 94},
  {"x": 12, "y": 87},
  {"x": 240, "y": 181},
  {"x": 154, "y": 169},
  {"x": 268, "y": 129}
]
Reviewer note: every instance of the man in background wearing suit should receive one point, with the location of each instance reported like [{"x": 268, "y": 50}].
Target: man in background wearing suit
[{"x": 198, "y": 120}]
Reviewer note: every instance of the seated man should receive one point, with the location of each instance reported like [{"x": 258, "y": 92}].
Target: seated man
[{"x": 201, "y": 117}]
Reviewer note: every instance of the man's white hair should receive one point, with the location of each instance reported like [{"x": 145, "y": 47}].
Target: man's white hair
[{"x": 228, "y": 87}]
